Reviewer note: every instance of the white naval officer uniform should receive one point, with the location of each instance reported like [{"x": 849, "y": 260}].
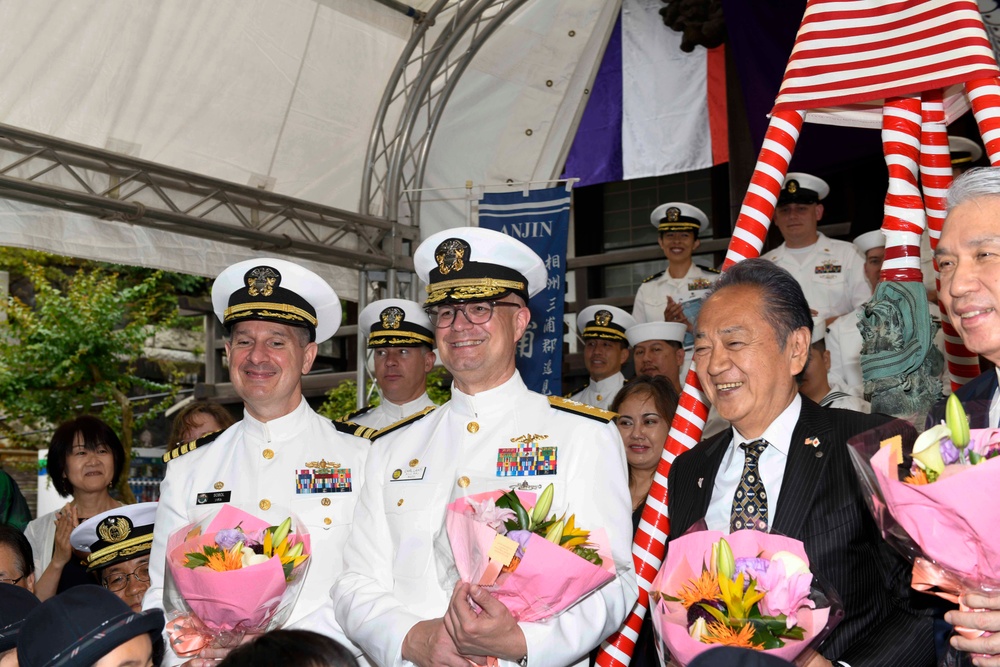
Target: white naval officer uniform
[
  {"x": 391, "y": 580},
  {"x": 387, "y": 412},
  {"x": 689, "y": 291},
  {"x": 266, "y": 468},
  {"x": 600, "y": 393},
  {"x": 830, "y": 272}
]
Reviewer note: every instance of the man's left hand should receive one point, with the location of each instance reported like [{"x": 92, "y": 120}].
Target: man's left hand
[
  {"x": 988, "y": 620},
  {"x": 493, "y": 631}
]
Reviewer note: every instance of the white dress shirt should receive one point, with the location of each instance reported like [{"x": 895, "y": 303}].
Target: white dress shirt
[{"x": 771, "y": 466}]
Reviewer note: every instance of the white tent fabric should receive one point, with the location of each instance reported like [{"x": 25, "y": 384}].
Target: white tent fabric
[{"x": 276, "y": 91}]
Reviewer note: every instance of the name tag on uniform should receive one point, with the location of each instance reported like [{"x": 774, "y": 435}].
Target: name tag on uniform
[
  {"x": 408, "y": 474},
  {"x": 214, "y": 497}
]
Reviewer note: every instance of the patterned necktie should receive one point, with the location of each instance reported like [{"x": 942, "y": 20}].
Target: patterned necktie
[{"x": 750, "y": 501}]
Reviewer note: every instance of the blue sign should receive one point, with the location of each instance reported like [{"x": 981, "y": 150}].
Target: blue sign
[{"x": 540, "y": 220}]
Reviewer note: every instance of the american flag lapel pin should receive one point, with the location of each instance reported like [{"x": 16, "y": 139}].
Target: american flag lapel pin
[{"x": 812, "y": 442}]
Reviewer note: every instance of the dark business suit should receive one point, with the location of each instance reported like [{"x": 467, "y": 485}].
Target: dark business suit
[
  {"x": 975, "y": 396},
  {"x": 821, "y": 504}
]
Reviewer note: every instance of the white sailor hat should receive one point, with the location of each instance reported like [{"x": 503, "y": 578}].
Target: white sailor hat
[
  {"x": 676, "y": 216},
  {"x": 276, "y": 290},
  {"x": 395, "y": 323},
  {"x": 605, "y": 322},
  {"x": 476, "y": 264},
  {"x": 114, "y": 536},
  {"x": 868, "y": 240},
  {"x": 819, "y": 330},
  {"x": 963, "y": 150},
  {"x": 668, "y": 331},
  {"x": 801, "y": 188}
]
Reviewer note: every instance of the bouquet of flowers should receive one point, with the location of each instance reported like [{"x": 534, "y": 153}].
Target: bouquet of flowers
[
  {"x": 536, "y": 564},
  {"x": 232, "y": 574},
  {"x": 749, "y": 589},
  {"x": 933, "y": 498}
]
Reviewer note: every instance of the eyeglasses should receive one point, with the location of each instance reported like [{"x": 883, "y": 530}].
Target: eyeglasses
[
  {"x": 479, "y": 312},
  {"x": 12, "y": 582},
  {"x": 118, "y": 582}
]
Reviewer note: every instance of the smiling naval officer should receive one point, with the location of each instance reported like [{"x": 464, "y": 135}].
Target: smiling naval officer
[
  {"x": 605, "y": 351},
  {"x": 281, "y": 457},
  {"x": 401, "y": 342},
  {"x": 493, "y": 434}
]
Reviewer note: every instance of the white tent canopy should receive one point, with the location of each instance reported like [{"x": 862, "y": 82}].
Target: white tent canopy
[{"x": 281, "y": 94}]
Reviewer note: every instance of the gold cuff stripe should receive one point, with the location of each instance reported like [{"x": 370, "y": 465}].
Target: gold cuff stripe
[
  {"x": 285, "y": 311},
  {"x": 123, "y": 548},
  {"x": 401, "y": 336}
]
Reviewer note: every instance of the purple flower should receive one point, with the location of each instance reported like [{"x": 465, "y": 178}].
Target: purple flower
[
  {"x": 521, "y": 537},
  {"x": 228, "y": 537},
  {"x": 752, "y": 567},
  {"x": 949, "y": 452}
]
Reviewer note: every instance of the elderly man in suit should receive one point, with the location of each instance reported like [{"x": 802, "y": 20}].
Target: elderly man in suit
[
  {"x": 968, "y": 256},
  {"x": 784, "y": 466}
]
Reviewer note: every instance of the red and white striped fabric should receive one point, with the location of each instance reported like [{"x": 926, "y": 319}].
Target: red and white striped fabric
[{"x": 852, "y": 54}]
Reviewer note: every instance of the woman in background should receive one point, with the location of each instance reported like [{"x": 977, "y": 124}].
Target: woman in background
[
  {"x": 86, "y": 460},
  {"x": 197, "y": 419}
]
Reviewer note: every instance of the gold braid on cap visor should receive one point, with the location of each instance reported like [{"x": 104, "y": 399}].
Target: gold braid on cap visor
[
  {"x": 136, "y": 545},
  {"x": 284, "y": 311},
  {"x": 604, "y": 332},
  {"x": 682, "y": 226},
  {"x": 399, "y": 338},
  {"x": 471, "y": 288}
]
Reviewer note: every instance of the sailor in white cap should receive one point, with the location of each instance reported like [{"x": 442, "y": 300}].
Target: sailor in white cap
[
  {"x": 816, "y": 381},
  {"x": 117, "y": 544},
  {"x": 828, "y": 270},
  {"x": 964, "y": 154},
  {"x": 605, "y": 351},
  {"x": 401, "y": 341},
  {"x": 494, "y": 434},
  {"x": 675, "y": 294},
  {"x": 657, "y": 349},
  {"x": 282, "y": 458}
]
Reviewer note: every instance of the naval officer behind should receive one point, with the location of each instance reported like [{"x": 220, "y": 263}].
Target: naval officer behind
[
  {"x": 402, "y": 345},
  {"x": 605, "y": 351},
  {"x": 829, "y": 271},
  {"x": 390, "y": 599},
  {"x": 282, "y": 457}
]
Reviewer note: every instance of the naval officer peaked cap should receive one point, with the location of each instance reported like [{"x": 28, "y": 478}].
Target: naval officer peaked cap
[
  {"x": 395, "y": 323},
  {"x": 476, "y": 264},
  {"x": 677, "y": 216},
  {"x": 276, "y": 290},
  {"x": 802, "y": 188},
  {"x": 605, "y": 322}
]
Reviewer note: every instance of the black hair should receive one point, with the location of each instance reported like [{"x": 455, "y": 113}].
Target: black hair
[
  {"x": 19, "y": 544},
  {"x": 290, "y": 647},
  {"x": 95, "y": 433}
]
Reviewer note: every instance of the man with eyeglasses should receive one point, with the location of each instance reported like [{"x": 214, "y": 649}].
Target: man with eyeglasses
[
  {"x": 118, "y": 543},
  {"x": 17, "y": 567},
  {"x": 393, "y": 599}
]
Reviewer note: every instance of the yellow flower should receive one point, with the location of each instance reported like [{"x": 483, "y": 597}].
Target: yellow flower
[
  {"x": 705, "y": 587},
  {"x": 738, "y": 601},
  {"x": 719, "y": 633}
]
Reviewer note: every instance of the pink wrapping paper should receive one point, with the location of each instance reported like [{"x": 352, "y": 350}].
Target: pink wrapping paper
[
  {"x": 548, "y": 579},
  {"x": 245, "y": 599},
  {"x": 686, "y": 557},
  {"x": 953, "y": 520}
]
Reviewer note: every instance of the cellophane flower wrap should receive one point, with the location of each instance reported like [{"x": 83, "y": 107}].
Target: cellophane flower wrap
[
  {"x": 219, "y": 584},
  {"x": 545, "y": 576},
  {"x": 748, "y": 588},
  {"x": 934, "y": 499}
]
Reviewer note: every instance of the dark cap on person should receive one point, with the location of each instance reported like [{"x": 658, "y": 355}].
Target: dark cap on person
[
  {"x": 476, "y": 264},
  {"x": 605, "y": 322},
  {"x": 801, "y": 188},
  {"x": 276, "y": 290},
  {"x": 395, "y": 323},
  {"x": 15, "y": 605},
  {"x": 114, "y": 536},
  {"x": 677, "y": 216},
  {"x": 80, "y": 626}
]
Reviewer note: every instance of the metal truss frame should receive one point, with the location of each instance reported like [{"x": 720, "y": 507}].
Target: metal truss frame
[{"x": 47, "y": 171}]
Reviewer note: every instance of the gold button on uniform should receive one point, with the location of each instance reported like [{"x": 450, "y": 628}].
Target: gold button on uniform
[
  {"x": 399, "y": 503},
  {"x": 473, "y": 427},
  {"x": 328, "y": 521},
  {"x": 325, "y": 502},
  {"x": 268, "y": 454},
  {"x": 218, "y": 486},
  {"x": 463, "y": 481},
  {"x": 265, "y": 504},
  {"x": 600, "y": 398}
]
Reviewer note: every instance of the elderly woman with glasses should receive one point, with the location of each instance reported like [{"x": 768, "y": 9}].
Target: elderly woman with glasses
[{"x": 118, "y": 544}]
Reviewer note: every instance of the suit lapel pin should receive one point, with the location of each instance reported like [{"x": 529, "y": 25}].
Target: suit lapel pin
[
  {"x": 700, "y": 480},
  {"x": 812, "y": 442}
]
